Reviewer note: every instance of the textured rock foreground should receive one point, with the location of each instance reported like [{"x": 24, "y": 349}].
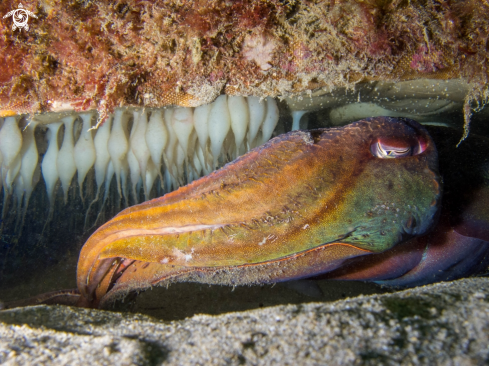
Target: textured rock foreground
[{"x": 446, "y": 323}]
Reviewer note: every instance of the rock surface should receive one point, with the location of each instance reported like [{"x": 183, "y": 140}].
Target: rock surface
[
  {"x": 443, "y": 324},
  {"x": 103, "y": 54}
]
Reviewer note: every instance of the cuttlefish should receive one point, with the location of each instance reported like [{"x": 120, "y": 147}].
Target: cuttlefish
[{"x": 304, "y": 204}]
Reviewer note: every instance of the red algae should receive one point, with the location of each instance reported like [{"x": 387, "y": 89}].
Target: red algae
[{"x": 86, "y": 54}]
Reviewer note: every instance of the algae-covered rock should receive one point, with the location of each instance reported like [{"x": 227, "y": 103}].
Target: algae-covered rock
[{"x": 102, "y": 54}]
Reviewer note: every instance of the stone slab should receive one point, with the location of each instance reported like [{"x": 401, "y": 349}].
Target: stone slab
[{"x": 441, "y": 324}]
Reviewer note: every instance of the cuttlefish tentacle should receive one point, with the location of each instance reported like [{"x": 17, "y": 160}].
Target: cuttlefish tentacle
[{"x": 297, "y": 206}]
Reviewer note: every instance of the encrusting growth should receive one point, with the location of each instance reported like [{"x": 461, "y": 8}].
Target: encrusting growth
[{"x": 101, "y": 55}]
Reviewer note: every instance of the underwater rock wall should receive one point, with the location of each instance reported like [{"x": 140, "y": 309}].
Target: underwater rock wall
[{"x": 104, "y": 54}]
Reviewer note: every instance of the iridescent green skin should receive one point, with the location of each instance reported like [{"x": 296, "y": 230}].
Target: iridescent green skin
[
  {"x": 298, "y": 206},
  {"x": 459, "y": 245}
]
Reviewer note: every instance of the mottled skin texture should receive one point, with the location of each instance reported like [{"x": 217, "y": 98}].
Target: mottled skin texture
[
  {"x": 295, "y": 207},
  {"x": 459, "y": 245}
]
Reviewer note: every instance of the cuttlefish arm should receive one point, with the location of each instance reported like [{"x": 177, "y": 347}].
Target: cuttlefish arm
[
  {"x": 297, "y": 206},
  {"x": 457, "y": 247}
]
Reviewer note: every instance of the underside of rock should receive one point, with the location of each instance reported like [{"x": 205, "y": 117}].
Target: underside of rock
[{"x": 87, "y": 54}]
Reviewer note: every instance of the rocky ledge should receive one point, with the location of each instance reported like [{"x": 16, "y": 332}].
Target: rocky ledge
[{"x": 445, "y": 323}]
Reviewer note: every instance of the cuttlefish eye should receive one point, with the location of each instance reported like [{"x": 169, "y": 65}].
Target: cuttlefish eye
[{"x": 394, "y": 148}]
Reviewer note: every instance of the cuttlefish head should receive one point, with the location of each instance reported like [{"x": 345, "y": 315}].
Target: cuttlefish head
[{"x": 297, "y": 206}]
